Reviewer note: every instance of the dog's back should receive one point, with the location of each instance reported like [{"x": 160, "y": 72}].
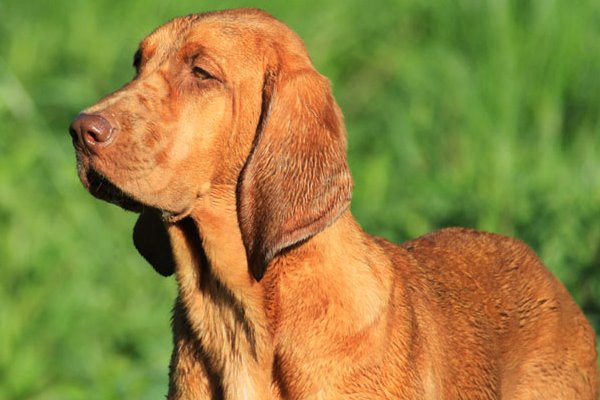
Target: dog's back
[{"x": 491, "y": 320}]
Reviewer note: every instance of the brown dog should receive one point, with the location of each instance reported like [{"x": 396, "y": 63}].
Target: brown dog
[{"x": 229, "y": 144}]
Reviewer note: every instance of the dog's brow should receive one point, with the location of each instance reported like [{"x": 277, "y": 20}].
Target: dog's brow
[
  {"x": 192, "y": 50},
  {"x": 196, "y": 50}
]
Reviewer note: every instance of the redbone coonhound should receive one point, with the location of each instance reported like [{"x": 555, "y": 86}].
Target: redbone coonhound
[{"x": 231, "y": 147}]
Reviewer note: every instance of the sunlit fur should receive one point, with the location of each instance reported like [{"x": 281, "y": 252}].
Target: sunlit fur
[{"x": 241, "y": 175}]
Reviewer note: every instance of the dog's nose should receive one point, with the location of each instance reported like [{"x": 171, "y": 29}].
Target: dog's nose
[{"x": 91, "y": 130}]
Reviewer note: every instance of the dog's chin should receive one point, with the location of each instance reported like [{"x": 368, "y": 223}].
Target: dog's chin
[{"x": 102, "y": 188}]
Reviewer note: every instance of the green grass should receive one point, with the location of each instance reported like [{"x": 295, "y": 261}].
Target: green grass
[{"x": 474, "y": 113}]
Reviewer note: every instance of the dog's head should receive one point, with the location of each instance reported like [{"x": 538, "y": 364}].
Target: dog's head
[{"x": 227, "y": 99}]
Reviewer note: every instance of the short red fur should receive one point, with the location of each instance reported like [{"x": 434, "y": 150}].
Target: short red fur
[{"x": 230, "y": 145}]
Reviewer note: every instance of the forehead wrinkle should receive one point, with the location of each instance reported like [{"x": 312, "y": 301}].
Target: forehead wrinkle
[
  {"x": 246, "y": 33},
  {"x": 164, "y": 41},
  {"x": 191, "y": 49},
  {"x": 225, "y": 42}
]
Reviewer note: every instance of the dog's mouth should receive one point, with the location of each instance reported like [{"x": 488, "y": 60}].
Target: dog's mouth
[{"x": 103, "y": 189}]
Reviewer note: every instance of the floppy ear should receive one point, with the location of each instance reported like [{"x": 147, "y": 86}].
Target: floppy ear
[
  {"x": 296, "y": 181},
  {"x": 151, "y": 239}
]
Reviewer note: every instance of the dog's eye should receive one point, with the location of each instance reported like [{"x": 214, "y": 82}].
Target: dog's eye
[
  {"x": 201, "y": 73},
  {"x": 137, "y": 60}
]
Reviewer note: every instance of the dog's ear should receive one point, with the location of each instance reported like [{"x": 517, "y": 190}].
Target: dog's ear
[
  {"x": 151, "y": 239},
  {"x": 296, "y": 181}
]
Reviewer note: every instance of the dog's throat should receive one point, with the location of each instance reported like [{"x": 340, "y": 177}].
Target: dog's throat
[{"x": 211, "y": 309}]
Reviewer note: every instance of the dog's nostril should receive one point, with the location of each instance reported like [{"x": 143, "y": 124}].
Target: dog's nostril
[
  {"x": 90, "y": 130},
  {"x": 97, "y": 131}
]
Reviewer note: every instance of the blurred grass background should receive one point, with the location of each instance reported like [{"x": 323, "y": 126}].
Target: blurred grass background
[{"x": 474, "y": 113}]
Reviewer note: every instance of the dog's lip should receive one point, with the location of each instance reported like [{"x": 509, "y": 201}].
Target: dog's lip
[{"x": 102, "y": 188}]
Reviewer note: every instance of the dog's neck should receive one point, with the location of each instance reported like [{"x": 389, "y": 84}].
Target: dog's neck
[
  {"x": 220, "y": 294},
  {"x": 222, "y": 300}
]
